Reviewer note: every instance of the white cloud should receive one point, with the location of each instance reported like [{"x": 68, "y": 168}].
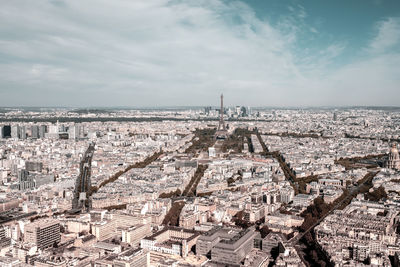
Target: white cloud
[
  {"x": 159, "y": 52},
  {"x": 388, "y": 36}
]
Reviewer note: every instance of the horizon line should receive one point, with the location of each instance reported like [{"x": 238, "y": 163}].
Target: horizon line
[{"x": 203, "y": 106}]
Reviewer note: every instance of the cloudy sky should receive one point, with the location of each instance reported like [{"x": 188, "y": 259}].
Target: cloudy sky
[{"x": 86, "y": 53}]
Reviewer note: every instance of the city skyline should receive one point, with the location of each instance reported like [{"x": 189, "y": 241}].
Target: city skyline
[
  {"x": 173, "y": 53},
  {"x": 274, "y": 187},
  {"x": 185, "y": 133}
]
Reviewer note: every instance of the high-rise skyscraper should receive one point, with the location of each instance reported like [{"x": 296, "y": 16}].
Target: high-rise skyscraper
[
  {"x": 74, "y": 132},
  {"x": 42, "y": 131},
  {"x": 6, "y": 131},
  {"x": 35, "y": 131},
  {"x": 22, "y": 132},
  {"x": 15, "y": 131}
]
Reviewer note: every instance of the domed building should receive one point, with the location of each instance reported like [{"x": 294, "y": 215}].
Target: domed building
[{"x": 394, "y": 158}]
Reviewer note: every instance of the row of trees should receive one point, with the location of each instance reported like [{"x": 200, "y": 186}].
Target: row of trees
[
  {"x": 289, "y": 173},
  {"x": 314, "y": 255},
  {"x": 239, "y": 220},
  {"x": 297, "y": 135},
  {"x": 376, "y": 195},
  {"x": 202, "y": 140},
  {"x": 235, "y": 141},
  {"x": 116, "y": 207},
  {"x": 114, "y": 177},
  {"x": 171, "y": 194},
  {"x": 355, "y": 162},
  {"x": 205, "y": 194},
  {"x": 385, "y": 140},
  {"x": 190, "y": 189},
  {"x": 172, "y": 217},
  {"x": 265, "y": 148},
  {"x": 319, "y": 209},
  {"x": 302, "y": 183}
]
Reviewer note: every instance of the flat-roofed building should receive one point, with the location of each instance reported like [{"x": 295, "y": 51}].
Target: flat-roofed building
[
  {"x": 254, "y": 213},
  {"x": 134, "y": 234},
  {"x": 133, "y": 258},
  {"x": 210, "y": 238},
  {"x": 9, "y": 262},
  {"x": 50, "y": 261},
  {"x": 126, "y": 220},
  {"x": 303, "y": 200},
  {"x": 103, "y": 230},
  {"x": 108, "y": 247},
  {"x": 287, "y": 194},
  {"x": 171, "y": 240},
  {"x": 43, "y": 233},
  {"x": 333, "y": 182},
  {"x": 234, "y": 250}
]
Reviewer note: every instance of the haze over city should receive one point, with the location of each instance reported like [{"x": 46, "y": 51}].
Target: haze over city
[
  {"x": 184, "y": 53},
  {"x": 199, "y": 133}
]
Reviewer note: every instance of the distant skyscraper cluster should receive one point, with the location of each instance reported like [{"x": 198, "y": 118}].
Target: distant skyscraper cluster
[{"x": 236, "y": 112}]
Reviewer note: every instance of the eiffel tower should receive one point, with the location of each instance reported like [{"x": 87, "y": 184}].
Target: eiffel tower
[{"x": 221, "y": 131}]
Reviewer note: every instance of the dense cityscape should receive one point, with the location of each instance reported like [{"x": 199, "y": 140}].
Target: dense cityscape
[
  {"x": 210, "y": 186},
  {"x": 199, "y": 133}
]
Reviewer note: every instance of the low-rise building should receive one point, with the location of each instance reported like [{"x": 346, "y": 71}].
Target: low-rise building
[
  {"x": 134, "y": 234},
  {"x": 171, "y": 240}
]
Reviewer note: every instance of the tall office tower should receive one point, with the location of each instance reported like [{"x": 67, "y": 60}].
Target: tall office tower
[
  {"x": 53, "y": 129},
  {"x": 42, "y": 131},
  {"x": 1, "y": 132},
  {"x": 61, "y": 128},
  {"x": 35, "y": 131},
  {"x": 54, "y": 132},
  {"x": 243, "y": 112},
  {"x": 73, "y": 132},
  {"x": 15, "y": 131},
  {"x": 22, "y": 132},
  {"x": 81, "y": 131},
  {"x": 207, "y": 110},
  {"x": 43, "y": 233},
  {"x": 238, "y": 111},
  {"x": 6, "y": 131}
]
